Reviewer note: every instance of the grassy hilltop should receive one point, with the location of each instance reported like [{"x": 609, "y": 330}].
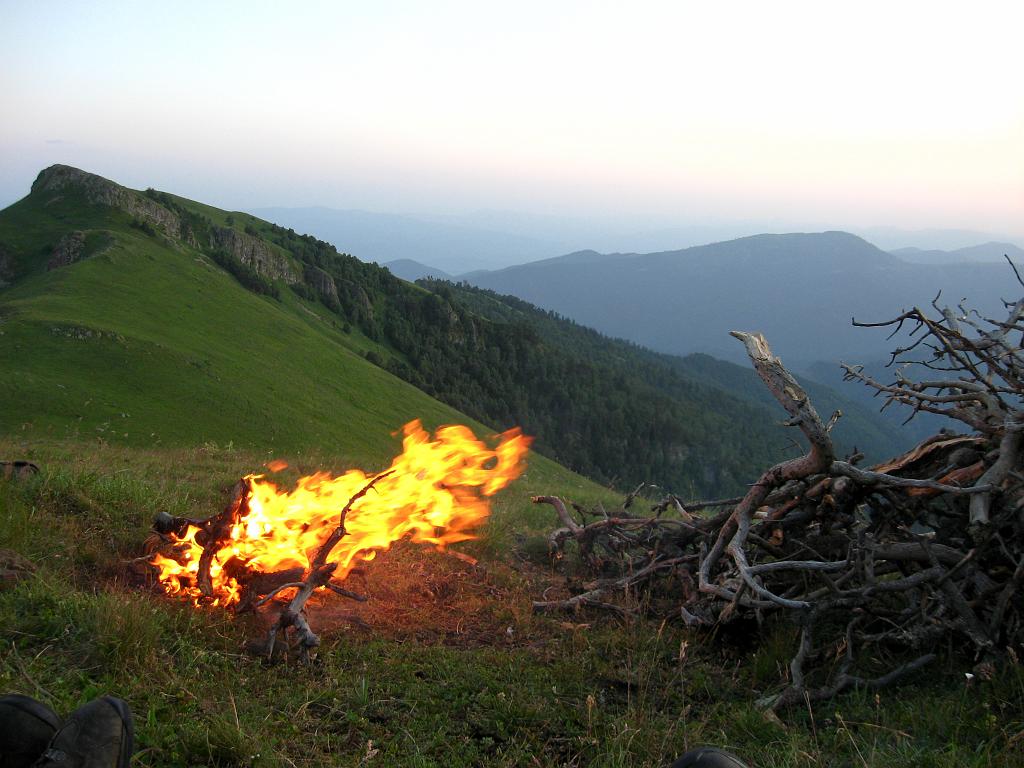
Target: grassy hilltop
[
  {"x": 144, "y": 341},
  {"x": 155, "y": 349}
]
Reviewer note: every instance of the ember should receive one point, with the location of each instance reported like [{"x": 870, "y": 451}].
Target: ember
[{"x": 435, "y": 493}]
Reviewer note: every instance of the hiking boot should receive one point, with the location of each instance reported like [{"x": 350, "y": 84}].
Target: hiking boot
[
  {"x": 709, "y": 757},
  {"x": 26, "y": 727},
  {"x": 99, "y": 734}
]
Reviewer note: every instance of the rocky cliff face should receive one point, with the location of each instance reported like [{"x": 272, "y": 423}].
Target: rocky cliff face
[
  {"x": 67, "y": 251},
  {"x": 254, "y": 253},
  {"x": 59, "y": 180},
  {"x": 323, "y": 283},
  {"x": 355, "y": 296},
  {"x": 99, "y": 191}
]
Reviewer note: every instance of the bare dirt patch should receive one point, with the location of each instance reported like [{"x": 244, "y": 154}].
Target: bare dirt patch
[{"x": 427, "y": 596}]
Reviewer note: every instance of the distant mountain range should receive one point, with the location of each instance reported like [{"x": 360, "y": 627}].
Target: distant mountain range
[
  {"x": 489, "y": 240},
  {"x": 892, "y": 238},
  {"x": 410, "y": 270},
  {"x": 684, "y": 301},
  {"x": 801, "y": 290},
  {"x": 986, "y": 252},
  {"x": 386, "y": 237}
]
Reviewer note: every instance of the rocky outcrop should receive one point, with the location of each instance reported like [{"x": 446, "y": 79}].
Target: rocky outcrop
[
  {"x": 68, "y": 250},
  {"x": 254, "y": 253},
  {"x": 323, "y": 284},
  {"x": 62, "y": 179},
  {"x": 462, "y": 331},
  {"x": 355, "y": 296}
]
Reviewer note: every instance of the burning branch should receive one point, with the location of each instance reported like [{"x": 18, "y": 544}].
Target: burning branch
[
  {"x": 318, "y": 575},
  {"x": 212, "y": 534},
  {"x": 266, "y": 541}
]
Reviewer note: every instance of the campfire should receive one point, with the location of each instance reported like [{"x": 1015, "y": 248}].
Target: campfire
[{"x": 268, "y": 541}]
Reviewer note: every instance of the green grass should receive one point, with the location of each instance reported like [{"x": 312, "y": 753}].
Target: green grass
[
  {"x": 146, "y": 345},
  {"x": 430, "y": 673},
  {"x": 149, "y": 343}
]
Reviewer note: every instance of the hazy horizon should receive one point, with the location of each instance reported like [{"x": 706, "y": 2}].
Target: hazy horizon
[{"x": 678, "y": 116}]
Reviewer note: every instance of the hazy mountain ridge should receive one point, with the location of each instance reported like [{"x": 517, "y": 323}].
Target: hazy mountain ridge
[
  {"x": 387, "y": 237},
  {"x": 890, "y": 238},
  {"x": 411, "y": 270},
  {"x": 801, "y": 290},
  {"x": 985, "y": 252},
  {"x": 495, "y": 239}
]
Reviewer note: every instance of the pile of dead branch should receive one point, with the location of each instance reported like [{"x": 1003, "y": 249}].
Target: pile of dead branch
[{"x": 921, "y": 553}]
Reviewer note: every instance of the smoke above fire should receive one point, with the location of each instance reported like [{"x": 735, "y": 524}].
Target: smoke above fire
[{"x": 435, "y": 492}]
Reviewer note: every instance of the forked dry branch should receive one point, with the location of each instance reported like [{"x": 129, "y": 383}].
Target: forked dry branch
[{"x": 923, "y": 548}]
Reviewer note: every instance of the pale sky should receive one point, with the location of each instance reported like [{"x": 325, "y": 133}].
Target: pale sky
[{"x": 848, "y": 114}]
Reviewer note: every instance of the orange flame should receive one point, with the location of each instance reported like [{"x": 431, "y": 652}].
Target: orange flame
[{"x": 437, "y": 494}]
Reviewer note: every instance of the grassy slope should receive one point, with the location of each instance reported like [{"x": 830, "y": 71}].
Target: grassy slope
[
  {"x": 143, "y": 344},
  {"x": 130, "y": 402},
  {"x": 148, "y": 344}
]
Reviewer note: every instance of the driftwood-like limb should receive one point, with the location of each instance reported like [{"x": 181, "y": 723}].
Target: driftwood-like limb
[
  {"x": 593, "y": 598},
  {"x": 792, "y": 397},
  {"x": 339, "y": 590},
  {"x": 560, "y": 510},
  {"x": 276, "y": 591},
  {"x": 1009, "y": 457},
  {"x": 866, "y": 477}
]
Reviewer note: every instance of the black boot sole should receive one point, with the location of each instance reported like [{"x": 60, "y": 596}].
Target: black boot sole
[
  {"x": 39, "y": 711},
  {"x": 26, "y": 727},
  {"x": 128, "y": 743}
]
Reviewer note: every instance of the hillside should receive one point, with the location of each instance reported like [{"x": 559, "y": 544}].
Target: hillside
[
  {"x": 686, "y": 301},
  {"x": 675, "y": 376},
  {"x": 145, "y": 342},
  {"x": 147, "y": 319}
]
